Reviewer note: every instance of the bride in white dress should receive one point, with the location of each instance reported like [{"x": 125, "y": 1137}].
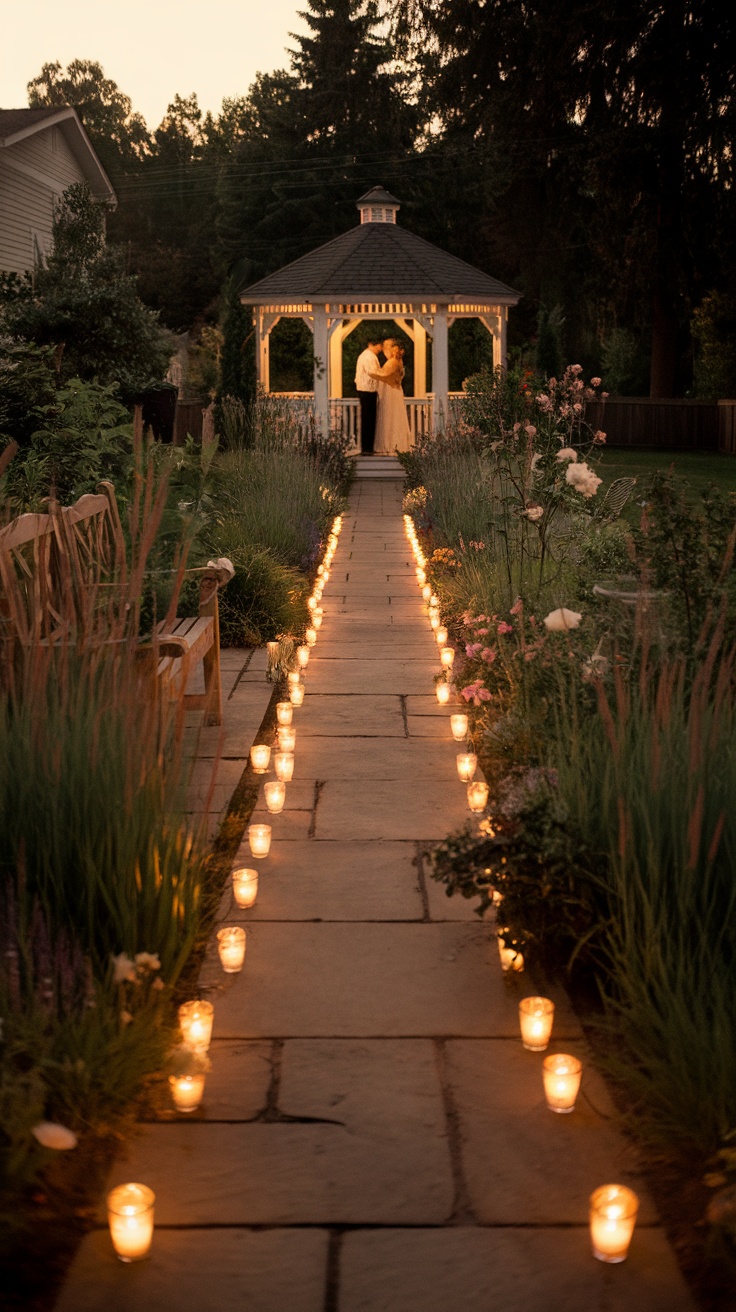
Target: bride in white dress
[{"x": 392, "y": 425}]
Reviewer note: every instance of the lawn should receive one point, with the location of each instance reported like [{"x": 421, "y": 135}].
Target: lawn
[{"x": 698, "y": 467}]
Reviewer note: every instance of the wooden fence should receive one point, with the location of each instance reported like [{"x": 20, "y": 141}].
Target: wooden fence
[{"x": 671, "y": 425}]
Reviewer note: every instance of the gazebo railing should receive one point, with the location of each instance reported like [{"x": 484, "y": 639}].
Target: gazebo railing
[{"x": 345, "y": 413}]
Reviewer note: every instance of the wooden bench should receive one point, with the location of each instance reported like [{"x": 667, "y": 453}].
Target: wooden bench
[{"x": 64, "y": 577}]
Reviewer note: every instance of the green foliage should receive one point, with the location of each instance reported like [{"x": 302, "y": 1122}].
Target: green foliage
[
  {"x": 624, "y": 364},
  {"x": 265, "y": 599},
  {"x": 85, "y": 303},
  {"x": 27, "y": 388},
  {"x": 714, "y": 334},
  {"x": 119, "y": 135},
  {"x": 84, "y": 435},
  {"x": 550, "y": 346},
  {"x": 237, "y": 361}
]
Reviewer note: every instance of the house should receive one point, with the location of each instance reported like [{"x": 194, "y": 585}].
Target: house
[{"x": 42, "y": 152}]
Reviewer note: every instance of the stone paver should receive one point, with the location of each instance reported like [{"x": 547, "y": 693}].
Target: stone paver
[{"x": 373, "y": 1137}]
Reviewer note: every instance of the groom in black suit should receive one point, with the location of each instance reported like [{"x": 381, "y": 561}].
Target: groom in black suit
[{"x": 367, "y": 389}]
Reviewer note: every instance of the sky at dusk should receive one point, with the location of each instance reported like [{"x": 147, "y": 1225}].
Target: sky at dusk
[{"x": 151, "y": 48}]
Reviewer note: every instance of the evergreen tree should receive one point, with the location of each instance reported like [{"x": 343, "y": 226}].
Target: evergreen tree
[{"x": 237, "y": 359}]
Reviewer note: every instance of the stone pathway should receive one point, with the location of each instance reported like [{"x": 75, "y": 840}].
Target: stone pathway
[{"x": 374, "y": 1136}]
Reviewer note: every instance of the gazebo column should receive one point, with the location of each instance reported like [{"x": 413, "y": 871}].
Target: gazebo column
[
  {"x": 420, "y": 359},
  {"x": 440, "y": 369},
  {"x": 321, "y": 370},
  {"x": 263, "y": 358}
]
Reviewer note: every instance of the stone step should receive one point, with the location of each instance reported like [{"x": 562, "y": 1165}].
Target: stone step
[{"x": 378, "y": 467}]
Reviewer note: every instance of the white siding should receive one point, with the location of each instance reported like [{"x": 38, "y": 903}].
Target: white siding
[{"x": 27, "y": 198}]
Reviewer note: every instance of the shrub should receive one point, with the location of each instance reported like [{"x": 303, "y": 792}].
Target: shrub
[{"x": 264, "y": 599}]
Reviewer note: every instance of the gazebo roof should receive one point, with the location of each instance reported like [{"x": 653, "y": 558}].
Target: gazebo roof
[{"x": 379, "y": 262}]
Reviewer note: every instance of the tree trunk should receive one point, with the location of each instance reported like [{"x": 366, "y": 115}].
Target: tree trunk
[{"x": 664, "y": 345}]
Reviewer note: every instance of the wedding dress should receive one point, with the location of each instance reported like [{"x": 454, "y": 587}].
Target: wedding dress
[{"x": 392, "y": 426}]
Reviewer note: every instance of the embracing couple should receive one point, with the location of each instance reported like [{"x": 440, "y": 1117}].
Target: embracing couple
[{"x": 384, "y": 427}]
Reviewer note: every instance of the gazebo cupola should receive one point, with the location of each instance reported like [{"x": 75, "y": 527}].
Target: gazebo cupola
[
  {"x": 379, "y": 270},
  {"x": 378, "y": 206}
]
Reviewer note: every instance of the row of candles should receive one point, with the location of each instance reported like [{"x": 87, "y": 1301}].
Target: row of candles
[
  {"x": 130, "y": 1207},
  {"x": 613, "y": 1207}
]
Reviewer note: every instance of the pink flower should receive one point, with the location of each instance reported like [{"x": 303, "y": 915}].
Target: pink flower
[
  {"x": 530, "y": 430},
  {"x": 578, "y": 408},
  {"x": 488, "y": 655},
  {"x": 567, "y": 453},
  {"x": 505, "y": 628},
  {"x": 599, "y": 437},
  {"x": 481, "y": 632},
  {"x": 596, "y": 382},
  {"x": 472, "y": 649},
  {"x": 517, "y": 607},
  {"x": 534, "y": 513},
  {"x": 576, "y": 369}
]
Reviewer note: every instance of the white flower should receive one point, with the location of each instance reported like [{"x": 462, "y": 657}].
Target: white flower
[
  {"x": 567, "y": 453},
  {"x": 224, "y": 567},
  {"x": 147, "y": 961},
  {"x": 51, "y": 1135},
  {"x": 534, "y": 513},
  {"x": 560, "y": 620},
  {"x": 582, "y": 478},
  {"x": 124, "y": 968}
]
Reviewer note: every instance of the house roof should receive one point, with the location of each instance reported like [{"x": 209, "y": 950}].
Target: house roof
[
  {"x": 377, "y": 196},
  {"x": 17, "y": 124},
  {"x": 379, "y": 262}
]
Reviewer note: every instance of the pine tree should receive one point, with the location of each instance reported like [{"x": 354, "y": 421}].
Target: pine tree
[{"x": 237, "y": 361}]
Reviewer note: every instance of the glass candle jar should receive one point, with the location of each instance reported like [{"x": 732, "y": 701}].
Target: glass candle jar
[
  {"x": 259, "y": 837},
  {"x": 302, "y": 655},
  {"x": 187, "y": 1091},
  {"x": 562, "y": 1075},
  {"x": 296, "y": 694},
  {"x": 260, "y": 756},
  {"x": 441, "y": 636},
  {"x": 466, "y": 766},
  {"x": 311, "y": 637},
  {"x": 443, "y": 691},
  {"x": 130, "y": 1217},
  {"x": 275, "y": 795},
  {"x": 459, "y": 726},
  {"x": 447, "y": 657},
  {"x": 283, "y": 764},
  {"x": 231, "y": 947},
  {"x": 613, "y": 1210},
  {"x": 477, "y": 796},
  {"x": 245, "y": 883},
  {"x": 535, "y": 1020},
  {"x": 284, "y": 712},
  {"x": 287, "y": 738},
  {"x": 195, "y": 1021}
]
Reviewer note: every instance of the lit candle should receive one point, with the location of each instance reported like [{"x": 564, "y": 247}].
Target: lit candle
[
  {"x": 245, "y": 883},
  {"x": 302, "y": 655},
  {"x": 311, "y": 637},
  {"x": 447, "y": 656},
  {"x": 130, "y": 1216},
  {"x": 295, "y": 677},
  {"x": 477, "y": 796},
  {"x": 296, "y": 694},
  {"x": 443, "y": 693},
  {"x": 287, "y": 738},
  {"x": 186, "y": 1090},
  {"x": 466, "y": 764},
  {"x": 426, "y": 592},
  {"x": 284, "y": 712},
  {"x": 326, "y": 576},
  {"x": 434, "y": 600},
  {"x": 613, "y": 1210},
  {"x": 275, "y": 794},
  {"x": 231, "y": 947},
  {"x": 535, "y": 1019},
  {"x": 195, "y": 1020},
  {"x": 562, "y": 1075},
  {"x": 317, "y": 618},
  {"x": 320, "y": 569},
  {"x": 260, "y": 755},
  {"x": 459, "y": 726},
  {"x": 283, "y": 764},
  {"x": 441, "y": 636},
  {"x": 259, "y": 837},
  {"x": 421, "y": 576},
  {"x": 512, "y": 961}
]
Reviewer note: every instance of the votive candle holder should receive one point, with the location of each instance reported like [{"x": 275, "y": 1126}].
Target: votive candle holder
[{"x": 535, "y": 1020}]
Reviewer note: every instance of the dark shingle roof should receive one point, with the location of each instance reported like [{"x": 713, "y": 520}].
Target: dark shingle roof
[
  {"x": 383, "y": 262},
  {"x": 378, "y": 196},
  {"x": 15, "y": 120}
]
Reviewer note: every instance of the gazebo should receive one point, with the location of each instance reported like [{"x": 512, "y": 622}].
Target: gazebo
[{"x": 378, "y": 270}]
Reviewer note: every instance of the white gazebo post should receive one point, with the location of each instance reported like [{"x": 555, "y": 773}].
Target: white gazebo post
[
  {"x": 420, "y": 359},
  {"x": 440, "y": 368},
  {"x": 263, "y": 359},
  {"x": 321, "y": 370}
]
